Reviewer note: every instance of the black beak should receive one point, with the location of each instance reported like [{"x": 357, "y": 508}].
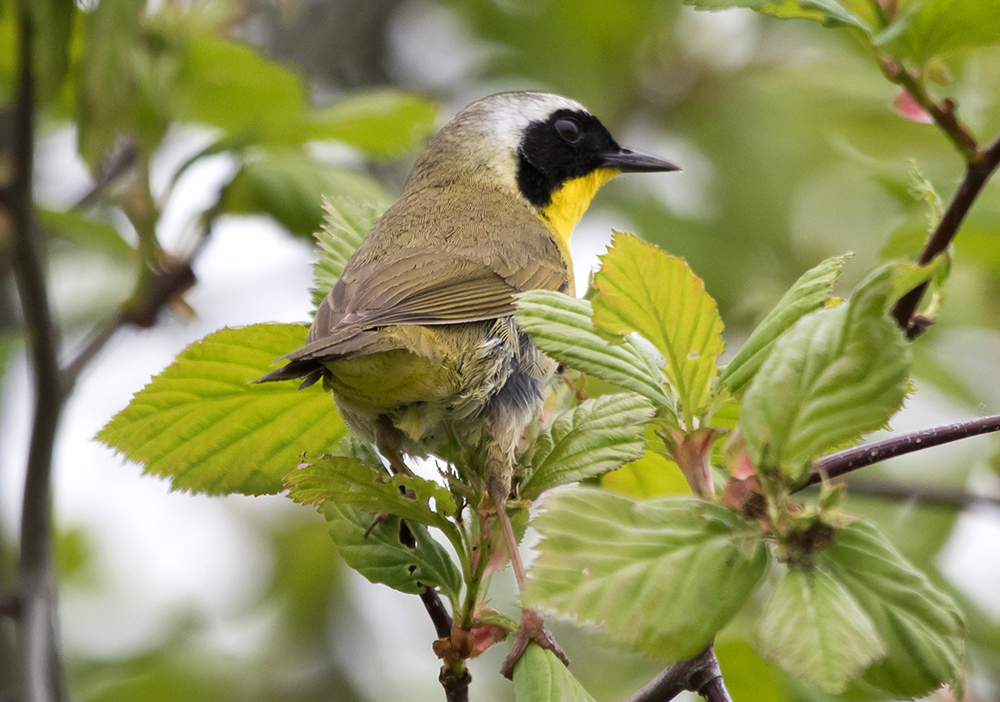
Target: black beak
[{"x": 628, "y": 161}]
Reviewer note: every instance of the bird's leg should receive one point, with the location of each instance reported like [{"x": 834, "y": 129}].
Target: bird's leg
[
  {"x": 532, "y": 627},
  {"x": 388, "y": 440},
  {"x": 499, "y": 470}
]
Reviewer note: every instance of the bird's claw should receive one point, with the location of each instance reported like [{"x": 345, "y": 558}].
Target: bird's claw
[{"x": 532, "y": 628}]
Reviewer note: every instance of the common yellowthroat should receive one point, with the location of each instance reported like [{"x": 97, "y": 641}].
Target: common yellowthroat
[{"x": 417, "y": 340}]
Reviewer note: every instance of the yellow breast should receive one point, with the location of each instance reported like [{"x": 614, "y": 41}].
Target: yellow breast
[{"x": 569, "y": 203}]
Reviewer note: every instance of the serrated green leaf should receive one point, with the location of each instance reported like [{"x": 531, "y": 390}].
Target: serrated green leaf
[
  {"x": 921, "y": 627},
  {"x": 837, "y": 373},
  {"x": 349, "y": 481},
  {"x": 561, "y": 326},
  {"x": 382, "y": 123},
  {"x": 809, "y": 293},
  {"x": 381, "y": 558},
  {"x": 541, "y": 677},
  {"x": 826, "y": 11},
  {"x": 290, "y": 187},
  {"x": 204, "y": 424},
  {"x": 345, "y": 224},
  {"x": 813, "y": 628},
  {"x": 653, "y": 475},
  {"x": 645, "y": 290},
  {"x": 664, "y": 575},
  {"x": 597, "y": 436}
]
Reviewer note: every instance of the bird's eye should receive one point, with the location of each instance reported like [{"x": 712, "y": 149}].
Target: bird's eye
[{"x": 569, "y": 130}]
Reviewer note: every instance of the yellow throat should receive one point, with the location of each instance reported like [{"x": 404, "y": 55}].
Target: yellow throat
[{"x": 569, "y": 203}]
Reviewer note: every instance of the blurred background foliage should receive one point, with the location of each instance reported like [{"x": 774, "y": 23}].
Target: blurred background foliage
[{"x": 163, "y": 121}]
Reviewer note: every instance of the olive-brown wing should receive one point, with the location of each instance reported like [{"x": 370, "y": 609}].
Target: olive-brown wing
[{"x": 426, "y": 287}]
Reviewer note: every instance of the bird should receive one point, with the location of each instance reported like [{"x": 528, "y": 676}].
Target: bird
[{"x": 417, "y": 339}]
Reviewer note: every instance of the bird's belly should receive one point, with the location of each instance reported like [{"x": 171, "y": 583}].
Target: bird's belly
[{"x": 435, "y": 397}]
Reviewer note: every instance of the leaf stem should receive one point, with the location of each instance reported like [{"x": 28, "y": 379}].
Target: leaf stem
[
  {"x": 40, "y": 667},
  {"x": 848, "y": 460},
  {"x": 700, "y": 674}
]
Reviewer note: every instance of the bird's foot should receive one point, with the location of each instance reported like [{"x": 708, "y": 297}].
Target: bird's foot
[{"x": 532, "y": 628}]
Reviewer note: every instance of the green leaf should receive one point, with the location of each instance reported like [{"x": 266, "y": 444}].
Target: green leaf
[
  {"x": 290, "y": 187},
  {"x": 826, "y": 11},
  {"x": 345, "y": 224},
  {"x": 834, "y": 375},
  {"x": 232, "y": 86},
  {"x": 814, "y": 629},
  {"x": 597, "y": 436},
  {"x": 643, "y": 289},
  {"x": 382, "y": 123},
  {"x": 106, "y": 88},
  {"x": 929, "y": 28},
  {"x": 561, "y": 326},
  {"x": 72, "y": 226},
  {"x": 809, "y": 293},
  {"x": 653, "y": 475},
  {"x": 541, "y": 677},
  {"x": 53, "y": 26},
  {"x": 664, "y": 575},
  {"x": 381, "y": 558},
  {"x": 922, "y": 629},
  {"x": 204, "y": 424},
  {"x": 349, "y": 481}
]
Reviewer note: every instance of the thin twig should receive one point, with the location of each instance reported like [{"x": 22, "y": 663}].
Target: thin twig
[
  {"x": 978, "y": 172},
  {"x": 852, "y": 459},
  {"x": 39, "y": 658},
  {"x": 700, "y": 674},
  {"x": 456, "y": 685},
  {"x": 929, "y": 495}
]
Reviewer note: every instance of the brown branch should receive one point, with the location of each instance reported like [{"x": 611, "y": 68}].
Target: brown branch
[
  {"x": 978, "y": 171},
  {"x": 456, "y": 685},
  {"x": 848, "y": 460},
  {"x": 701, "y": 674},
  {"x": 943, "y": 113},
  {"x": 39, "y": 657},
  {"x": 935, "y": 496}
]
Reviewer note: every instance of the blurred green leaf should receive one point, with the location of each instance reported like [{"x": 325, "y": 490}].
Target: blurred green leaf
[
  {"x": 204, "y": 424},
  {"x": 349, "y": 481},
  {"x": 232, "y": 86},
  {"x": 809, "y": 293},
  {"x": 645, "y": 569},
  {"x": 74, "y": 227},
  {"x": 53, "y": 24},
  {"x": 561, "y": 326},
  {"x": 290, "y": 187},
  {"x": 834, "y": 375},
  {"x": 305, "y": 577},
  {"x": 381, "y": 558},
  {"x": 541, "y": 677},
  {"x": 928, "y": 28},
  {"x": 645, "y": 290},
  {"x": 748, "y": 677},
  {"x": 382, "y": 123},
  {"x": 345, "y": 224},
  {"x": 813, "y": 628},
  {"x": 597, "y": 436},
  {"x": 106, "y": 87},
  {"x": 920, "y": 626}
]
